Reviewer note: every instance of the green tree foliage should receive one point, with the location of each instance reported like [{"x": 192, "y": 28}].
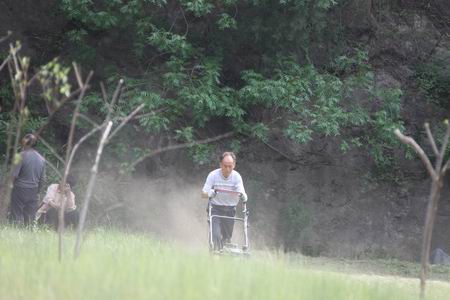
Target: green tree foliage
[
  {"x": 32, "y": 115},
  {"x": 322, "y": 105},
  {"x": 434, "y": 80},
  {"x": 202, "y": 61}
]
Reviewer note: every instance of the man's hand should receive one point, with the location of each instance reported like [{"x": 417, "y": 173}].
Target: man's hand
[
  {"x": 243, "y": 197},
  {"x": 37, "y": 217},
  {"x": 212, "y": 193}
]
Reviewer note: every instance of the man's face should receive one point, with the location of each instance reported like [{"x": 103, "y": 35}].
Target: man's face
[{"x": 227, "y": 165}]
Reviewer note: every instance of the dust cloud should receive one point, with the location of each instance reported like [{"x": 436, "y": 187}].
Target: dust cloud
[
  {"x": 168, "y": 209},
  {"x": 168, "y": 206}
]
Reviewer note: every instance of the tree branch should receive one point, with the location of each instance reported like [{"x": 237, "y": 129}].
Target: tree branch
[
  {"x": 5, "y": 62},
  {"x": 445, "y": 167},
  {"x": 152, "y": 113},
  {"x": 130, "y": 116},
  {"x": 83, "y": 86},
  {"x": 61, "y": 160},
  {"x": 281, "y": 153},
  {"x": 410, "y": 141},
  {"x": 78, "y": 75},
  {"x": 89, "y": 120},
  {"x": 104, "y": 93},
  {"x": 443, "y": 147},
  {"x": 54, "y": 168},
  {"x": 90, "y": 188},
  {"x": 82, "y": 140},
  {"x": 437, "y": 184},
  {"x": 4, "y": 38},
  {"x": 431, "y": 139},
  {"x": 103, "y": 141},
  {"x": 180, "y": 146},
  {"x": 52, "y": 113},
  {"x": 114, "y": 99}
]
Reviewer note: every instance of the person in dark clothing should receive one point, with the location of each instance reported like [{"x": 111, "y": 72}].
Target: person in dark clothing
[{"x": 29, "y": 176}]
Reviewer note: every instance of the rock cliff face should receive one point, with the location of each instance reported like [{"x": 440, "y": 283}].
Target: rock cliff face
[{"x": 350, "y": 213}]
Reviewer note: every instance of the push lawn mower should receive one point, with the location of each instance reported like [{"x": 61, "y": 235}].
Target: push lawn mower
[{"x": 228, "y": 247}]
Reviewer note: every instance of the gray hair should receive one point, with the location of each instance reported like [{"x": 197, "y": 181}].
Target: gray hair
[{"x": 233, "y": 156}]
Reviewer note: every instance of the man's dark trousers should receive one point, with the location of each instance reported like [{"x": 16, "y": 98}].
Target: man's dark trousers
[
  {"x": 222, "y": 228},
  {"x": 24, "y": 202}
]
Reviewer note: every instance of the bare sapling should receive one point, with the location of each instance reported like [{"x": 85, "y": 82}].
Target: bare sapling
[
  {"x": 4, "y": 38},
  {"x": 106, "y": 136},
  {"x": 6, "y": 60},
  {"x": 9, "y": 136},
  {"x": 83, "y": 86},
  {"x": 9, "y": 128},
  {"x": 18, "y": 70},
  {"x": 437, "y": 176},
  {"x": 89, "y": 189}
]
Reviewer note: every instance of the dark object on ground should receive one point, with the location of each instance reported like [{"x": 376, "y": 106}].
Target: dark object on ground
[{"x": 439, "y": 257}]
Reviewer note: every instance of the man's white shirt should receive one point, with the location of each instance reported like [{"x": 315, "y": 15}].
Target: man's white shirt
[{"x": 233, "y": 183}]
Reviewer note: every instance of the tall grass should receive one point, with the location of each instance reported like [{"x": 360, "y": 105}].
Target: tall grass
[{"x": 121, "y": 266}]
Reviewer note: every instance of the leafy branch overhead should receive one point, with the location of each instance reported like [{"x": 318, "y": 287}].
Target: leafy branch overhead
[{"x": 200, "y": 62}]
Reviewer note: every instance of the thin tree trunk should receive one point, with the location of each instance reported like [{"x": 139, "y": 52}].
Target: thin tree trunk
[
  {"x": 20, "y": 98},
  {"x": 432, "y": 206},
  {"x": 89, "y": 190},
  {"x": 437, "y": 175},
  {"x": 83, "y": 86},
  {"x": 9, "y": 131}
]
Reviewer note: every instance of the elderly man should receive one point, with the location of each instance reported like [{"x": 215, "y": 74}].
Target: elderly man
[
  {"x": 224, "y": 188},
  {"x": 28, "y": 175}
]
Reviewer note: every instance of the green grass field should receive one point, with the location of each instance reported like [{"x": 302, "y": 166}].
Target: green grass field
[{"x": 115, "y": 265}]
